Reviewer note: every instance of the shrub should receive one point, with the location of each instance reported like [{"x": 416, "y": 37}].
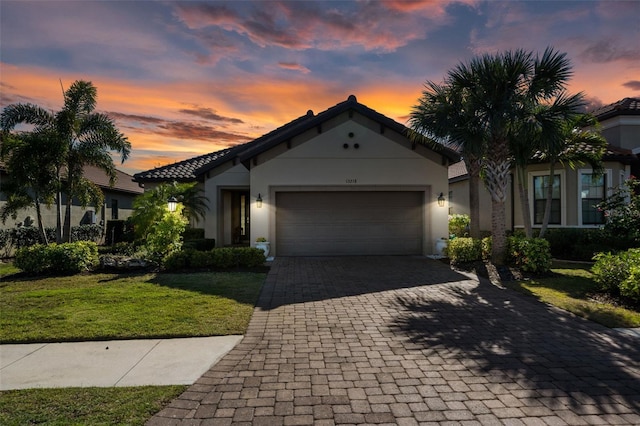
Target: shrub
[
  {"x": 611, "y": 270},
  {"x": 193, "y": 234},
  {"x": 631, "y": 286},
  {"x": 165, "y": 236},
  {"x": 459, "y": 225},
  {"x": 486, "y": 247},
  {"x": 530, "y": 254},
  {"x": 71, "y": 258},
  {"x": 86, "y": 233},
  {"x": 465, "y": 249},
  {"x": 581, "y": 243},
  {"x": 622, "y": 212},
  {"x": 202, "y": 244},
  {"x": 33, "y": 259},
  {"x": 219, "y": 259},
  {"x": 67, "y": 258}
]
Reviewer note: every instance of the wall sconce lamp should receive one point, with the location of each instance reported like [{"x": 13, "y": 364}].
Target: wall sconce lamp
[
  {"x": 259, "y": 201},
  {"x": 172, "y": 202},
  {"x": 441, "y": 200}
]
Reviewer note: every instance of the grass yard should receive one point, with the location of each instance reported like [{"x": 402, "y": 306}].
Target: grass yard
[
  {"x": 110, "y": 306},
  {"x": 81, "y": 406},
  {"x": 570, "y": 288},
  {"x": 7, "y": 268}
]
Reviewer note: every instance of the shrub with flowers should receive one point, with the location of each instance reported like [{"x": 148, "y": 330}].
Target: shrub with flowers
[{"x": 622, "y": 212}]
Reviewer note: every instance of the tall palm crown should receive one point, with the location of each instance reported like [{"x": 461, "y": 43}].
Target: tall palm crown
[
  {"x": 494, "y": 107},
  {"x": 85, "y": 137}
]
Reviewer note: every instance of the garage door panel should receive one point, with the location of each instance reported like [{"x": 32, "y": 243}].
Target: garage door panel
[{"x": 341, "y": 223}]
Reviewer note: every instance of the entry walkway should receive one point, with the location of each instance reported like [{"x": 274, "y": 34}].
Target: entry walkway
[{"x": 408, "y": 341}]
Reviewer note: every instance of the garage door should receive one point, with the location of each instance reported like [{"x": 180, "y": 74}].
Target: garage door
[{"x": 349, "y": 223}]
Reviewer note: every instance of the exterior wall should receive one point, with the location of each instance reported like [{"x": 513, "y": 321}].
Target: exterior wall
[
  {"x": 318, "y": 161},
  {"x": 623, "y": 132},
  {"x": 615, "y": 172},
  {"x": 458, "y": 202},
  {"x": 79, "y": 215},
  {"x": 227, "y": 177}
]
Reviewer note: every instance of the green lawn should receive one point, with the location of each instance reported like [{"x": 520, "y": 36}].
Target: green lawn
[
  {"x": 111, "y": 306},
  {"x": 570, "y": 288},
  {"x": 82, "y": 406},
  {"x": 7, "y": 268}
]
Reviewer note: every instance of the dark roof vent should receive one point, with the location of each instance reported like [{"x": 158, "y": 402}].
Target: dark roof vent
[
  {"x": 310, "y": 113},
  {"x": 352, "y": 98}
]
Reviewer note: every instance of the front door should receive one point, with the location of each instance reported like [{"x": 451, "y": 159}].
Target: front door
[{"x": 240, "y": 217}]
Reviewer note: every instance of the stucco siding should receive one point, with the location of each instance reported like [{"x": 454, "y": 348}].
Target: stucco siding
[{"x": 320, "y": 161}]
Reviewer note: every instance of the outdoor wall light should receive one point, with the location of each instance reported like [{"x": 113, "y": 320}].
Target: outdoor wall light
[
  {"x": 259, "y": 201},
  {"x": 441, "y": 200},
  {"x": 172, "y": 203}
]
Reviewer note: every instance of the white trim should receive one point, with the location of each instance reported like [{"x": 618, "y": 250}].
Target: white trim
[
  {"x": 608, "y": 182},
  {"x": 563, "y": 197}
]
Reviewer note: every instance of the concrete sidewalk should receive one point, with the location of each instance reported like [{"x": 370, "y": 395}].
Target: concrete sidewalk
[{"x": 111, "y": 363}]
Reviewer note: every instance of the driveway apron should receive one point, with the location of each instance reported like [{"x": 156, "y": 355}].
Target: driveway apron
[{"x": 406, "y": 340}]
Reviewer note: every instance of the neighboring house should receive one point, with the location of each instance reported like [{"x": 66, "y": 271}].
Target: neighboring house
[
  {"x": 346, "y": 181},
  {"x": 575, "y": 192},
  {"x": 118, "y": 202}
]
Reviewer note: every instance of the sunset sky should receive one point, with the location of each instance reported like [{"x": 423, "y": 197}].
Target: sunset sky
[{"x": 186, "y": 78}]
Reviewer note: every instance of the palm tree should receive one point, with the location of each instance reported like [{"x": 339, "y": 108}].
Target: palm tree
[
  {"x": 83, "y": 136},
  {"x": 498, "y": 95},
  {"x": 578, "y": 142},
  {"x": 441, "y": 115},
  {"x": 30, "y": 160},
  {"x": 89, "y": 138},
  {"x": 152, "y": 205},
  {"x": 542, "y": 126}
]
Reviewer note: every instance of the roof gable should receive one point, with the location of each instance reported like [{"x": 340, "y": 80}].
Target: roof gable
[{"x": 194, "y": 168}]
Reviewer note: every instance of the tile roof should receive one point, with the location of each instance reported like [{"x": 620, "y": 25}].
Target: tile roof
[
  {"x": 186, "y": 170},
  {"x": 194, "y": 168},
  {"x": 612, "y": 153},
  {"x": 626, "y": 106},
  {"x": 124, "y": 182},
  {"x": 458, "y": 171}
]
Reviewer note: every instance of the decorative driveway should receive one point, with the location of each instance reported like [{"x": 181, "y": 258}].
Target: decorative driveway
[{"x": 401, "y": 340}]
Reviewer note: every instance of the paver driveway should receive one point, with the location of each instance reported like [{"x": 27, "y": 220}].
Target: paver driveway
[{"x": 403, "y": 340}]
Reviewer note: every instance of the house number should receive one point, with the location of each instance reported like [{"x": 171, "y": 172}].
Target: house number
[{"x": 351, "y": 180}]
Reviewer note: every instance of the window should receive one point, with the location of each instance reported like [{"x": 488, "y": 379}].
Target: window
[
  {"x": 114, "y": 209},
  {"x": 540, "y": 184},
  {"x": 592, "y": 191}
]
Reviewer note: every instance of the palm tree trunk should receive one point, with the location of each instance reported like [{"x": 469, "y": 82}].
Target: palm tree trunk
[
  {"x": 43, "y": 233},
  {"x": 473, "y": 167},
  {"x": 547, "y": 205},
  {"x": 497, "y": 182},
  {"x": 498, "y": 232},
  {"x": 524, "y": 202},
  {"x": 59, "y": 217},
  {"x": 66, "y": 233}
]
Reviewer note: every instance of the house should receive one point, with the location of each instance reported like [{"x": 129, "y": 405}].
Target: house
[
  {"x": 118, "y": 202},
  {"x": 575, "y": 192},
  {"x": 346, "y": 181}
]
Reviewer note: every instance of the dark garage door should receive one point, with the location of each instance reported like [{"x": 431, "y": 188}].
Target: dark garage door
[{"x": 349, "y": 223}]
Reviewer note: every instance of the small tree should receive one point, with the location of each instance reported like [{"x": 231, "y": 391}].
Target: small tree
[
  {"x": 622, "y": 212},
  {"x": 165, "y": 236}
]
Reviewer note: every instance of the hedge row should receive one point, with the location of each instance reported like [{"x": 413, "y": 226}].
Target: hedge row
[
  {"x": 219, "y": 258},
  {"x": 64, "y": 259},
  {"x": 529, "y": 254},
  {"x": 25, "y": 236}
]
